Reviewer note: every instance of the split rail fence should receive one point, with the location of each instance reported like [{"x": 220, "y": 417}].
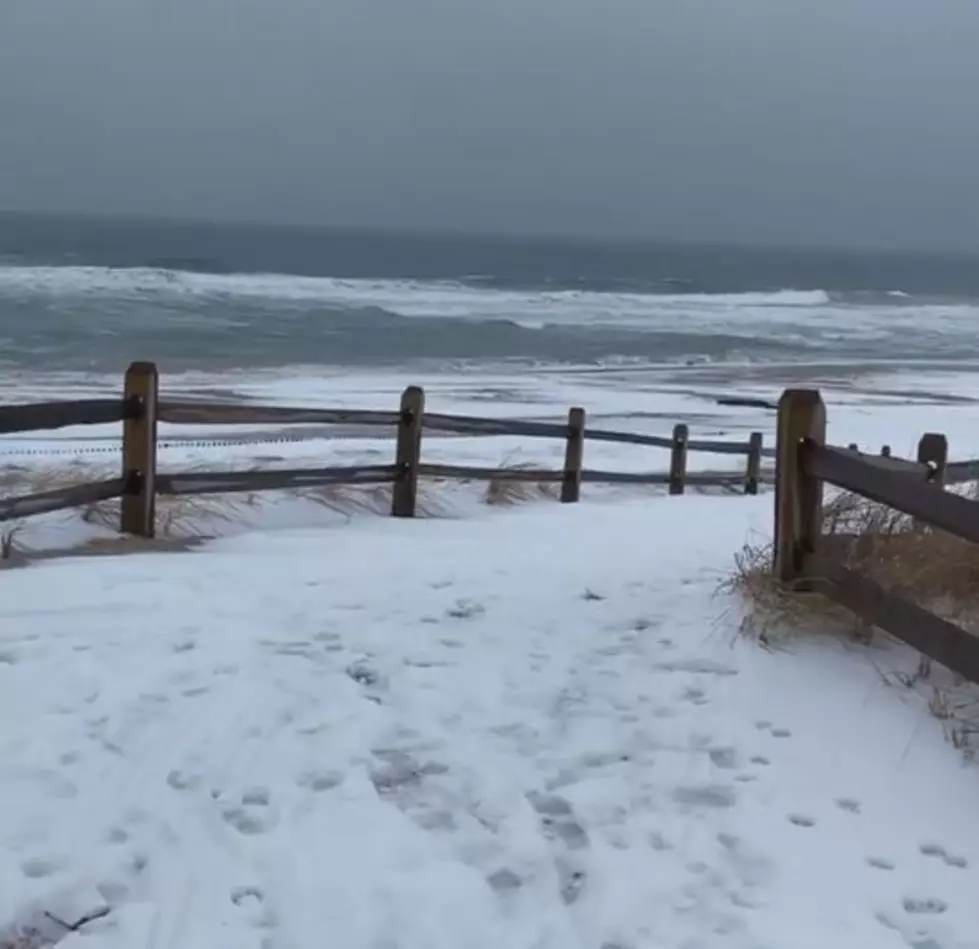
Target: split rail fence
[
  {"x": 140, "y": 409},
  {"x": 804, "y": 556}
]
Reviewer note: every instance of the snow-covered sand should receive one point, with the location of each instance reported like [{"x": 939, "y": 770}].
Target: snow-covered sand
[{"x": 526, "y": 729}]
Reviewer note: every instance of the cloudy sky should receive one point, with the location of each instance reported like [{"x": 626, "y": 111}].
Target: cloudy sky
[{"x": 808, "y": 121}]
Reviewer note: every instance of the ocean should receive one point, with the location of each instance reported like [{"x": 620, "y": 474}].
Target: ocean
[{"x": 85, "y": 295}]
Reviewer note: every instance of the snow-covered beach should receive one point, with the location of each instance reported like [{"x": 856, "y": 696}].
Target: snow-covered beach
[{"x": 530, "y": 728}]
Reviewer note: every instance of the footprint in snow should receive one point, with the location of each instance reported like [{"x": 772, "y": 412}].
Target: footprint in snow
[
  {"x": 504, "y": 881},
  {"x": 938, "y": 851},
  {"x": 802, "y": 820},
  {"x": 465, "y": 609},
  {"x": 697, "y": 666},
  {"x": 558, "y": 820},
  {"x": 848, "y": 804},
  {"x": 706, "y": 795},
  {"x": 243, "y": 895},
  {"x": 879, "y": 863},
  {"x": 929, "y": 906},
  {"x": 37, "y": 868},
  {"x": 695, "y": 696},
  {"x": 256, "y": 797},
  {"x": 245, "y": 822},
  {"x": 723, "y": 757},
  {"x": 320, "y": 780}
]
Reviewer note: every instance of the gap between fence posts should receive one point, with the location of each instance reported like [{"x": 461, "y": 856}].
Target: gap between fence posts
[
  {"x": 137, "y": 511},
  {"x": 574, "y": 452},
  {"x": 798, "y": 495},
  {"x": 753, "y": 472},
  {"x": 404, "y": 495},
  {"x": 678, "y": 458}
]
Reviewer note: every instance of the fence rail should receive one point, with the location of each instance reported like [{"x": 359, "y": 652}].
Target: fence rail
[
  {"x": 912, "y": 486},
  {"x": 803, "y": 557},
  {"x": 141, "y": 411}
]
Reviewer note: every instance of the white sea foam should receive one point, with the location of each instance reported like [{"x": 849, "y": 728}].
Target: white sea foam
[
  {"x": 445, "y": 297},
  {"x": 745, "y": 326}
]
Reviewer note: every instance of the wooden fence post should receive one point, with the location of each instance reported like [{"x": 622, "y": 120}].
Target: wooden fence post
[
  {"x": 138, "y": 508},
  {"x": 678, "y": 458},
  {"x": 574, "y": 451},
  {"x": 798, "y": 497},
  {"x": 405, "y": 493},
  {"x": 753, "y": 473},
  {"x": 933, "y": 452}
]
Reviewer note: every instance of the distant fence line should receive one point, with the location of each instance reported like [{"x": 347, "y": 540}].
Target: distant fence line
[{"x": 140, "y": 409}]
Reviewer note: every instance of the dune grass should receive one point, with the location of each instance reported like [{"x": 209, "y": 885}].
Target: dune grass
[{"x": 928, "y": 566}]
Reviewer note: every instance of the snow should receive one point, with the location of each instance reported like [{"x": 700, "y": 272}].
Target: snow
[{"x": 526, "y": 729}]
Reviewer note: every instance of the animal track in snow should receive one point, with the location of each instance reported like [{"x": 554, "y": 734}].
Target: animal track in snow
[
  {"x": 802, "y": 820},
  {"x": 849, "y": 804}
]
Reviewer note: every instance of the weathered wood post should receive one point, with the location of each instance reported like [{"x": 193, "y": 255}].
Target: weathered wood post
[
  {"x": 404, "y": 496},
  {"x": 137, "y": 513},
  {"x": 798, "y": 496},
  {"x": 753, "y": 473},
  {"x": 678, "y": 458},
  {"x": 933, "y": 452},
  {"x": 574, "y": 451}
]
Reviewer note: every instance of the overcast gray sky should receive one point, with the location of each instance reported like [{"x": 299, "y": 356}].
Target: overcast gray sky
[{"x": 826, "y": 121}]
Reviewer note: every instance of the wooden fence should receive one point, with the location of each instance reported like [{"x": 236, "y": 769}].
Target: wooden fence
[
  {"x": 804, "y": 556},
  {"x": 140, "y": 409}
]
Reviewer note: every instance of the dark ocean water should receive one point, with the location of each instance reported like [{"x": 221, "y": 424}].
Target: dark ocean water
[{"x": 89, "y": 295}]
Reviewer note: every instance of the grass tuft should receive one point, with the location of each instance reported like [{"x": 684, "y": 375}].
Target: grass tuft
[{"x": 928, "y": 566}]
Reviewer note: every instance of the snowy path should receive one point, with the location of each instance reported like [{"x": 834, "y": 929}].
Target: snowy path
[{"x": 531, "y": 730}]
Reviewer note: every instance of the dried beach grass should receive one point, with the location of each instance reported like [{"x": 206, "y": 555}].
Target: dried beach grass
[
  {"x": 183, "y": 521},
  {"x": 928, "y": 566}
]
